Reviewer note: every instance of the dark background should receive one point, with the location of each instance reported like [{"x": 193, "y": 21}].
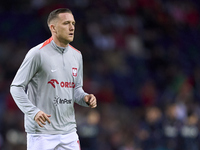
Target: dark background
[{"x": 141, "y": 60}]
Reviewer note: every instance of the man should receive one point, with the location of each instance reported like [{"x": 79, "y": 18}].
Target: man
[{"x": 52, "y": 73}]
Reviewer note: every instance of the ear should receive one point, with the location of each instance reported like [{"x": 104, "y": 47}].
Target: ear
[{"x": 52, "y": 28}]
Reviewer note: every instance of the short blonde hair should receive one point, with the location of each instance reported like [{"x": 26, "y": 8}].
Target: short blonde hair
[{"x": 54, "y": 14}]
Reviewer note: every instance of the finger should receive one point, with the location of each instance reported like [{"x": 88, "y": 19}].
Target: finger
[
  {"x": 95, "y": 103},
  {"x": 92, "y": 103},
  {"x": 47, "y": 118},
  {"x": 93, "y": 100},
  {"x": 40, "y": 124},
  {"x": 92, "y": 96},
  {"x": 94, "y": 106},
  {"x": 41, "y": 120}
]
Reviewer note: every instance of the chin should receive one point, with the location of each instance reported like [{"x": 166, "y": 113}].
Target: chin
[
  {"x": 68, "y": 40},
  {"x": 71, "y": 40}
]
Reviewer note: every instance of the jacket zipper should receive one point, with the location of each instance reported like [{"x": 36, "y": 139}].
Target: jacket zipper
[{"x": 63, "y": 59}]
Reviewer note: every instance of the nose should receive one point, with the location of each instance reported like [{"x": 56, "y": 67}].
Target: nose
[{"x": 72, "y": 27}]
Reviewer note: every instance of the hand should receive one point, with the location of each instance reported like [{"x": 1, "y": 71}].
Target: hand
[
  {"x": 91, "y": 100},
  {"x": 41, "y": 118}
]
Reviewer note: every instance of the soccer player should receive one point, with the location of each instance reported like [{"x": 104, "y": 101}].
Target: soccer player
[{"x": 47, "y": 84}]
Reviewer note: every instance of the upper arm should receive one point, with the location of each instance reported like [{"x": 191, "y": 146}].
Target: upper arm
[{"x": 28, "y": 68}]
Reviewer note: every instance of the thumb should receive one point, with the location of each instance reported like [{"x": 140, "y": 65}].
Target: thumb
[{"x": 87, "y": 98}]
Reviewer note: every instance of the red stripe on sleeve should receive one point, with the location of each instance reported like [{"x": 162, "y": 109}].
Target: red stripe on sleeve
[
  {"x": 74, "y": 48},
  {"x": 47, "y": 42}
]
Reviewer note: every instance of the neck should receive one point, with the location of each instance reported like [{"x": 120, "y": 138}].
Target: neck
[{"x": 59, "y": 43}]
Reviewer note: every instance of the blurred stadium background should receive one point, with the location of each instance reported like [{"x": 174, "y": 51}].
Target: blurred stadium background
[{"x": 141, "y": 60}]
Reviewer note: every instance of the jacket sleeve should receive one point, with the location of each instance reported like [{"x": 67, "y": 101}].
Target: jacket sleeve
[
  {"x": 27, "y": 70},
  {"x": 79, "y": 93}
]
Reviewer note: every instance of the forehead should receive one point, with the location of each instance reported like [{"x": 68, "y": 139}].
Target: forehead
[{"x": 65, "y": 17}]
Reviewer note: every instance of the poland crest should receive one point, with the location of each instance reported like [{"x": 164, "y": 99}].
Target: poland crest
[{"x": 74, "y": 72}]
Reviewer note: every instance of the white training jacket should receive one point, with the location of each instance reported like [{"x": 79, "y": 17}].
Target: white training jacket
[{"x": 50, "y": 79}]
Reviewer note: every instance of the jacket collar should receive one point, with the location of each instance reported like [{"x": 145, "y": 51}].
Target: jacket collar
[{"x": 58, "y": 48}]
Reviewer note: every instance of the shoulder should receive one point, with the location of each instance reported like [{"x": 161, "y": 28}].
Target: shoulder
[
  {"x": 38, "y": 48},
  {"x": 74, "y": 50},
  {"x": 34, "y": 52},
  {"x": 45, "y": 43}
]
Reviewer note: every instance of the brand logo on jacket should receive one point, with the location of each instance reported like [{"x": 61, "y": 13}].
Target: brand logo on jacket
[
  {"x": 57, "y": 101},
  {"x": 53, "y": 70},
  {"x": 53, "y": 82},
  {"x": 74, "y": 72},
  {"x": 62, "y": 84}
]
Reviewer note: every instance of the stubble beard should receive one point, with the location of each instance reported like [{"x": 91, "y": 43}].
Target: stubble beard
[{"x": 66, "y": 41}]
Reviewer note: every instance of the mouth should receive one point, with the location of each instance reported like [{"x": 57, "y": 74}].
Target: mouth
[{"x": 71, "y": 34}]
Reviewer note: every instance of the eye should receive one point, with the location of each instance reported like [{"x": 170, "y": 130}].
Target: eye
[{"x": 65, "y": 23}]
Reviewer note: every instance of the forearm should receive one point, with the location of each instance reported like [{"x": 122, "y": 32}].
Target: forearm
[
  {"x": 22, "y": 101},
  {"x": 79, "y": 95}
]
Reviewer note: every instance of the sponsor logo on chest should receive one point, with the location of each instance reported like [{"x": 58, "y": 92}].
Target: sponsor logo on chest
[
  {"x": 62, "y": 84},
  {"x": 57, "y": 101}
]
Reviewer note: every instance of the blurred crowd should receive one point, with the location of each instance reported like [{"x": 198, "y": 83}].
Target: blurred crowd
[{"x": 141, "y": 60}]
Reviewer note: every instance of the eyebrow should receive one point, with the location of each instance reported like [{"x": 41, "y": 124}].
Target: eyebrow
[{"x": 68, "y": 21}]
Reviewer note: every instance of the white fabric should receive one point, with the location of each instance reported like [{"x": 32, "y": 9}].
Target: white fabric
[{"x": 53, "y": 142}]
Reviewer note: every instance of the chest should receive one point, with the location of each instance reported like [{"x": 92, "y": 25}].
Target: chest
[{"x": 60, "y": 66}]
